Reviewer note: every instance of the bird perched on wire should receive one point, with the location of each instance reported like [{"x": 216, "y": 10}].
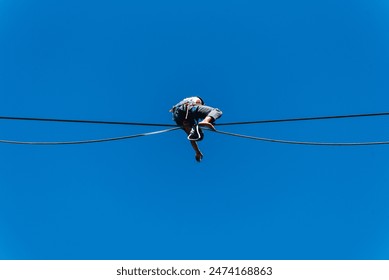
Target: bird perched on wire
[{"x": 188, "y": 112}]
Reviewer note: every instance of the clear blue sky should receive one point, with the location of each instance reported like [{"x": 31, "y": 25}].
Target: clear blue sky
[{"x": 147, "y": 198}]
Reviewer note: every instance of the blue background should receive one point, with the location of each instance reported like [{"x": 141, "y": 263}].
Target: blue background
[{"x": 147, "y": 198}]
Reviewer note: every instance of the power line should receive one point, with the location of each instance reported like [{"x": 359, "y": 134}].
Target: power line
[
  {"x": 303, "y": 143},
  {"x": 88, "y": 141},
  {"x": 174, "y": 125},
  {"x": 84, "y": 121},
  {"x": 307, "y": 119},
  {"x": 175, "y": 128}
]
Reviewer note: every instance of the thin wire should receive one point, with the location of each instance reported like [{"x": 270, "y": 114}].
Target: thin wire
[
  {"x": 307, "y": 119},
  {"x": 89, "y": 141},
  {"x": 84, "y": 121},
  {"x": 174, "y": 125},
  {"x": 302, "y": 143},
  {"x": 217, "y": 131}
]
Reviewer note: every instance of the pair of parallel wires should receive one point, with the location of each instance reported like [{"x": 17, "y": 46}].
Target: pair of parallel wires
[{"x": 175, "y": 127}]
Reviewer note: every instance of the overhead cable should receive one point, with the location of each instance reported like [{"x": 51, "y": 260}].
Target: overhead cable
[
  {"x": 174, "y": 125},
  {"x": 84, "y": 121},
  {"x": 175, "y": 128},
  {"x": 88, "y": 141},
  {"x": 302, "y": 142},
  {"x": 308, "y": 119}
]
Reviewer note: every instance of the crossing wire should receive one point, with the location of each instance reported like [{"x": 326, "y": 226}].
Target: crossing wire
[
  {"x": 308, "y": 119},
  {"x": 88, "y": 141},
  {"x": 302, "y": 142},
  {"x": 175, "y": 127},
  {"x": 83, "y": 121}
]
